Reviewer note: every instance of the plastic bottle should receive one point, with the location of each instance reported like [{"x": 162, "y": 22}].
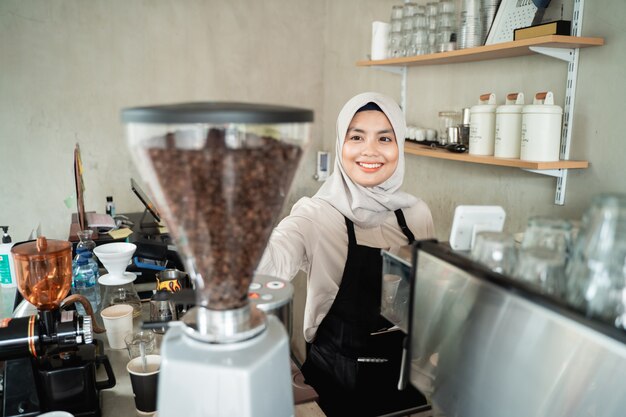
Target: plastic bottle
[
  {"x": 85, "y": 278},
  {"x": 110, "y": 207},
  {"x": 7, "y": 268}
]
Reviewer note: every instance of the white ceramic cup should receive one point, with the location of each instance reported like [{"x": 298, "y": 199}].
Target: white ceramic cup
[{"x": 118, "y": 322}]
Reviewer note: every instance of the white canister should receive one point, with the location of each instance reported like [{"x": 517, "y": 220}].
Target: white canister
[
  {"x": 509, "y": 127},
  {"x": 541, "y": 129},
  {"x": 483, "y": 125}
]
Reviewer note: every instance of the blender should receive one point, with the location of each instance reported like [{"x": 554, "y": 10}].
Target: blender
[
  {"x": 50, "y": 357},
  {"x": 220, "y": 173}
]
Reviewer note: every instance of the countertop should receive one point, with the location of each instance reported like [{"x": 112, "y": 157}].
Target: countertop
[{"x": 118, "y": 401}]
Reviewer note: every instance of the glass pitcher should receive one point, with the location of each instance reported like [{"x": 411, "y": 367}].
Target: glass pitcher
[{"x": 124, "y": 293}]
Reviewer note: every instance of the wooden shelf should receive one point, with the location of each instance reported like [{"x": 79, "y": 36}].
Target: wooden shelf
[
  {"x": 423, "y": 150},
  {"x": 487, "y": 52}
]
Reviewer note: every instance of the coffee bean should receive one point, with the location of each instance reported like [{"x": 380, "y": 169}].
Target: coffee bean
[{"x": 222, "y": 202}]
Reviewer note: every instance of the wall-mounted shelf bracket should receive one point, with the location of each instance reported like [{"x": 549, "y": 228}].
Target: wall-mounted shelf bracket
[
  {"x": 561, "y": 181},
  {"x": 402, "y": 71},
  {"x": 395, "y": 70},
  {"x": 564, "y": 54},
  {"x": 558, "y": 173}
]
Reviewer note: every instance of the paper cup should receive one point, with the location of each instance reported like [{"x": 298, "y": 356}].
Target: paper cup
[
  {"x": 145, "y": 383},
  {"x": 380, "y": 40},
  {"x": 118, "y": 322}
]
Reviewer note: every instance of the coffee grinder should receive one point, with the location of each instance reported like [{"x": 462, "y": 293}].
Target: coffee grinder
[
  {"x": 50, "y": 357},
  {"x": 220, "y": 173}
]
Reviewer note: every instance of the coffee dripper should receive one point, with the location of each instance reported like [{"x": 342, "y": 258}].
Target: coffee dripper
[
  {"x": 118, "y": 284},
  {"x": 50, "y": 356}
]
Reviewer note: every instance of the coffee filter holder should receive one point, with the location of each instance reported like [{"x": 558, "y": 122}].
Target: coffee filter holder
[
  {"x": 118, "y": 283},
  {"x": 115, "y": 258}
]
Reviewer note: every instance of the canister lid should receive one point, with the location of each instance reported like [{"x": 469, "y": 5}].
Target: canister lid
[
  {"x": 510, "y": 108},
  {"x": 543, "y": 109},
  {"x": 41, "y": 248},
  {"x": 217, "y": 112}
]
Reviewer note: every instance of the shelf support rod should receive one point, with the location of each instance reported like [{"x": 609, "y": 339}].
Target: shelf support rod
[{"x": 570, "y": 99}]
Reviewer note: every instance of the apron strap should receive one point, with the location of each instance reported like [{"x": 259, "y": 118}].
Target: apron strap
[
  {"x": 402, "y": 223},
  {"x": 351, "y": 235}
]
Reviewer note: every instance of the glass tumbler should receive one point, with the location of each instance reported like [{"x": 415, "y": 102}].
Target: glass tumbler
[
  {"x": 543, "y": 268},
  {"x": 395, "y": 44},
  {"x": 495, "y": 250},
  {"x": 140, "y": 344},
  {"x": 548, "y": 232},
  {"x": 597, "y": 269}
]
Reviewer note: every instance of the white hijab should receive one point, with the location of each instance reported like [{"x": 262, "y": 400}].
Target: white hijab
[{"x": 367, "y": 206}]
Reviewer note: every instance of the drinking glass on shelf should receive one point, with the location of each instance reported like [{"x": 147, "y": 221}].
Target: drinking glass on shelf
[
  {"x": 395, "y": 45},
  {"x": 597, "y": 269},
  {"x": 419, "y": 42},
  {"x": 396, "y": 11},
  {"x": 548, "y": 232},
  {"x": 409, "y": 9},
  {"x": 495, "y": 250},
  {"x": 542, "y": 267}
]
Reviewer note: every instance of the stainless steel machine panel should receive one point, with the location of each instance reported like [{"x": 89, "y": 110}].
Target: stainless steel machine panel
[{"x": 483, "y": 346}]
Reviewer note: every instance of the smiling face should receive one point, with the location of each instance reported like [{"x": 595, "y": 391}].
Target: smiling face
[{"x": 370, "y": 151}]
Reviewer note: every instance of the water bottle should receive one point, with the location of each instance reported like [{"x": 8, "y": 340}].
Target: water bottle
[{"x": 84, "y": 282}]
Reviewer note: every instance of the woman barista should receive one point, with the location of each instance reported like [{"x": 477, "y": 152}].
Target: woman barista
[{"x": 336, "y": 237}]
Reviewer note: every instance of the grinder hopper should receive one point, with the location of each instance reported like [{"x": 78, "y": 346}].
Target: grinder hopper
[{"x": 220, "y": 173}]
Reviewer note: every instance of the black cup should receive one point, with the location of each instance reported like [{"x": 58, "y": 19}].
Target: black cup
[{"x": 145, "y": 382}]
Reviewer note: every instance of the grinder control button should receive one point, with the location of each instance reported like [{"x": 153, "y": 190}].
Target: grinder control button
[{"x": 275, "y": 285}]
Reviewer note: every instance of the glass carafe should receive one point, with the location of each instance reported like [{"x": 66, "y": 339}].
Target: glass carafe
[{"x": 121, "y": 294}]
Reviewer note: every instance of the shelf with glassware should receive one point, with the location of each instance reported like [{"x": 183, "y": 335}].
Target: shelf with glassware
[
  {"x": 487, "y": 52},
  {"x": 565, "y": 48}
]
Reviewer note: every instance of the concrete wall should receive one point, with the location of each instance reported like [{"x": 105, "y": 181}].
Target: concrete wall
[
  {"x": 67, "y": 67},
  {"x": 597, "y": 132}
]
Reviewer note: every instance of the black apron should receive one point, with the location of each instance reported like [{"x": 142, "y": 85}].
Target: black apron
[{"x": 354, "y": 371}]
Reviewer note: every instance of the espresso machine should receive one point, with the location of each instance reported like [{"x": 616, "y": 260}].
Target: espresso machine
[
  {"x": 220, "y": 173},
  {"x": 50, "y": 358}
]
